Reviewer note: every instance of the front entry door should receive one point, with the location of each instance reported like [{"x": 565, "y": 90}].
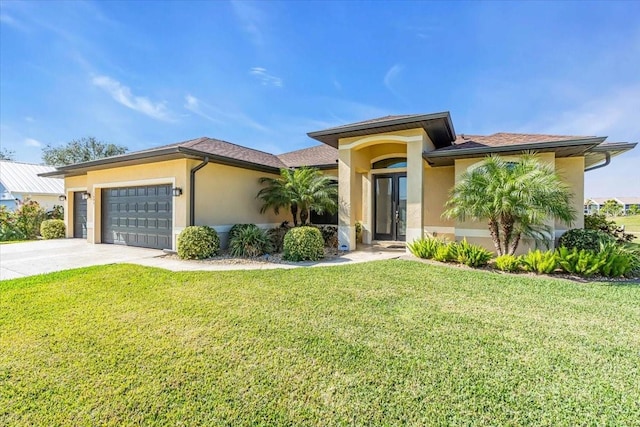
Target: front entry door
[{"x": 390, "y": 207}]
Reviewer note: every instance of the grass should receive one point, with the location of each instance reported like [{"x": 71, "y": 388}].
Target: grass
[
  {"x": 9, "y": 242},
  {"x": 385, "y": 343},
  {"x": 631, "y": 222}
]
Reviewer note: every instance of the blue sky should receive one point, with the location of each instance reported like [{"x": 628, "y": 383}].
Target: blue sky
[{"x": 263, "y": 74}]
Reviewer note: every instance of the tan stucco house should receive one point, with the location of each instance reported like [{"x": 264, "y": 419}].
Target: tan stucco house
[{"x": 394, "y": 174}]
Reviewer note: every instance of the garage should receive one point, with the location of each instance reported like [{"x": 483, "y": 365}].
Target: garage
[{"x": 138, "y": 216}]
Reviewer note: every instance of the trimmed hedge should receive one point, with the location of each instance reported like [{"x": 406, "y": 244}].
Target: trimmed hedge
[
  {"x": 198, "y": 242},
  {"x": 53, "y": 229},
  {"x": 303, "y": 244}
]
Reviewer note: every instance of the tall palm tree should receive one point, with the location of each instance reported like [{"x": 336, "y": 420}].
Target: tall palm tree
[
  {"x": 300, "y": 190},
  {"x": 516, "y": 198}
]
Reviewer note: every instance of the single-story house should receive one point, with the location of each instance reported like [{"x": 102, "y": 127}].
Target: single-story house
[
  {"x": 21, "y": 182},
  {"x": 594, "y": 204},
  {"x": 394, "y": 175}
]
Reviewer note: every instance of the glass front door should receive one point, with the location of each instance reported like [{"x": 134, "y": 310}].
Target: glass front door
[{"x": 390, "y": 210}]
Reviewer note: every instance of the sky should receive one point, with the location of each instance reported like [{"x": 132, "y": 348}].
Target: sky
[{"x": 263, "y": 74}]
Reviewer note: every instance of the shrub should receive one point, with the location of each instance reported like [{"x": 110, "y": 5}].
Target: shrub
[
  {"x": 276, "y": 236},
  {"x": 52, "y": 229},
  {"x": 359, "y": 229},
  {"x": 329, "y": 235},
  {"x": 540, "y": 262},
  {"x": 425, "y": 248},
  {"x": 234, "y": 230},
  {"x": 580, "y": 239},
  {"x": 600, "y": 222},
  {"x": 582, "y": 262},
  {"x": 9, "y": 226},
  {"x": 508, "y": 263},
  {"x": 618, "y": 260},
  {"x": 249, "y": 242},
  {"x": 56, "y": 213},
  {"x": 29, "y": 216},
  {"x": 303, "y": 243},
  {"x": 472, "y": 255},
  {"x": 446, "y": 252},
  {"x": 198, "y": 242}
]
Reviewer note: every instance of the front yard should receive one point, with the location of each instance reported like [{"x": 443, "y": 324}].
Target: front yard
[{"x": 385, "y": 343}]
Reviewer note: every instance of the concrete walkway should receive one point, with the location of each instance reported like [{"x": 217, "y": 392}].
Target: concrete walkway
[{"x": 46, "y": 256}]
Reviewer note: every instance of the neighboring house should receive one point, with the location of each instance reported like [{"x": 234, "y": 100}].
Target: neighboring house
[
  {"x": 20, "y": 182},
  {"x": 594, "y": 204},
  {"x": 394, "y": 176}
]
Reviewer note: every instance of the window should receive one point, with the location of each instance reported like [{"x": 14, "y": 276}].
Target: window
[{"x": 392, "y": 163}]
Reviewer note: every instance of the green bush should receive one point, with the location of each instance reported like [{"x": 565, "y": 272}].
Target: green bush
[
  {"x": 447, "y": 252},
  {"x": 249, "y": 242},
  {"x": 597, "y": 221},
  {"x": 234, "y": 230},
  {"x": 276, "y": 236},
  {"x": 508, "y": 263},
  {"x": 580, "y": 239},
  {"x": 471, "y": 255},
  {"x": 540, "y": 262},
  {"x": 9, "y": 226},
  {"x": 329, "y": 235},
  {"x": 52, "y": 229},
  {"x": 56, "y": 213},
  {"x": 198, "y": 242},
  {"x": 425, "y": 248},
  {"x": 29, "y": 216},
  {"x": 581, "y": 262},
  {"x": 302, "y": 244},
  {"x": 618, "y": 260}
]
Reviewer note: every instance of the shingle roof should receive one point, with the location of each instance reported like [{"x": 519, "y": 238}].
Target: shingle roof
[
  {"x": 232, "y": 151},
  {"x": 318, "y": 155},
  {"x": 374, "y": 121},
  {"x": 503, "y": 139},
  {"x": 23, "y": 178}
]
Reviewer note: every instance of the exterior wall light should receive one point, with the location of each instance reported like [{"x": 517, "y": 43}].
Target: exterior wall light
[
  {"x": 177, "y": 191},
  {"x": 86, "y": 196},
  {"x": 62, "y": 198}
]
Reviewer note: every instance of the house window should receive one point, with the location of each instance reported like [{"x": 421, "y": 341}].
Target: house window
[{"x": 392, "y": 163}]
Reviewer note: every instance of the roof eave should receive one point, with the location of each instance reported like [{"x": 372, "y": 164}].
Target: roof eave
[{"x": 589, "y": 143}]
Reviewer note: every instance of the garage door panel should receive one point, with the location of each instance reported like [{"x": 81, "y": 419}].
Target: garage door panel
[{"x": 138, "y": 216}]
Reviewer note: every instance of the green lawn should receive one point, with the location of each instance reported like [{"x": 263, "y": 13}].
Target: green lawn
[
  {"x": 631, "y": 222},
  {"x": 385, "y": 343}
]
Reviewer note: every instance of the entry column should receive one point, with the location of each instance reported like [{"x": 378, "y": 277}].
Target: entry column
[
  {"x": 415, "y": 184},
  {"x": 346, "y": 199}
]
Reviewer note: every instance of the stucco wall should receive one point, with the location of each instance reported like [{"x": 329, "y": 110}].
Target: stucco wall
[
  {"x": 571, "y": 170},
  {"x": 437, "y": 183}
]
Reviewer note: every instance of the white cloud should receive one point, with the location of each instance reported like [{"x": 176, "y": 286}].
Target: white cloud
[
  {"x": 30, "y": 142},
  {"x": 220, "y": 115},
  {"x": 251, "y": 20},
  {"x": 12, "y": 22},
  {"x": 390, "y": 77},
  {"x": 122, "y": 94},
  {"x": 265, "y": 78}
]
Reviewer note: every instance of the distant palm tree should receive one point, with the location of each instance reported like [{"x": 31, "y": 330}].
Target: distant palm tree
[
  {"x": 516, "y": 198},
  {"x": 300, "y": 190}
]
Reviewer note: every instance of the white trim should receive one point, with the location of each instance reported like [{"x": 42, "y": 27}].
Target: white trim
[
  {"x": 74, "y": 189},
  {"x": 437, "y": 229},
  {"x": 138, "y": 183},
  {"x": 379, "y": 137},
  {"x": 89, "y": 225},
  {"x": 389, "y": 156},
  {"x": 387, "y": 170},
  {"x": 472, "y": 232},
  {"x": 225, "y": 228}
]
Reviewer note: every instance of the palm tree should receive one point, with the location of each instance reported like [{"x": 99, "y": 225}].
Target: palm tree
[
  {"x": 516, "y": 198},
  {"x": 300, "y": 190}
]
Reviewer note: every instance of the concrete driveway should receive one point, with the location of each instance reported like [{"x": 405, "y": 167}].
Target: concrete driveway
[{"x": 46, "y": 256}]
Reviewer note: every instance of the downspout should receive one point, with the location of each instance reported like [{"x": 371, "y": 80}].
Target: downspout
[
  {"x": 607, "y": 160},
  {"x": 192, "y": 191}
]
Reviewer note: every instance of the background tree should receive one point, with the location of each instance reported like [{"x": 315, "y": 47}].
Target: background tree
[
  {"x": 634, "y": 210},
  {"x": 516, "y": 198},
  {"x": 300, "y": 190},
  {"x": 7, "y": 154},
  {"x": 80, "y": 150},
  {"x": 611, "y": 208}
]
